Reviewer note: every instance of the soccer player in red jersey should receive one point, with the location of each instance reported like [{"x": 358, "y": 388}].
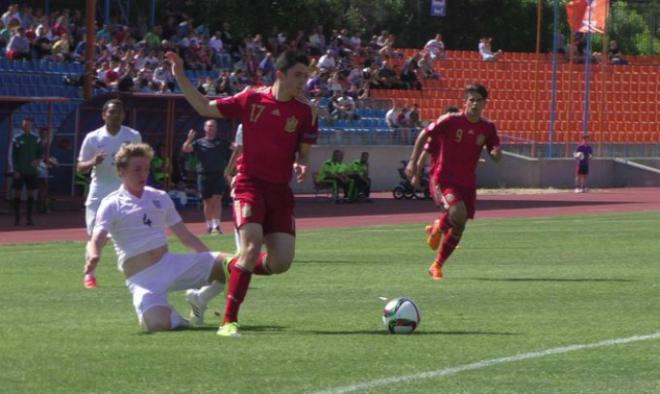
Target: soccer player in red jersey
[
  {"x": 279, "y": 128},
  {"x": 454, "y": 142}
]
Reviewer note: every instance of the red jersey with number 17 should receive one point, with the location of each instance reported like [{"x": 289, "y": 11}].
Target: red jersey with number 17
[
  {"x": 455, "y": 145},
  {"x": 272, "y": 132}
]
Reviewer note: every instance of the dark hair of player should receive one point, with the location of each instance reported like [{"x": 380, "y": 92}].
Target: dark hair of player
[
  {"x": 289, "y": 59},
  {"x": 477, "y": 88}
]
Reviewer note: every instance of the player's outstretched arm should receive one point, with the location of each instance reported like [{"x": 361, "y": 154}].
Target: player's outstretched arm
[
  {"x": 187, "y": 238},
  {"x": 416, "y": 179},
  {"x": 302, "y": 162},
  {"x": 411, "y": 167},
  {"x": 94, "y": 248},
  {"x": 231, "y": 165},
  {"x": 198, "y": 101}
]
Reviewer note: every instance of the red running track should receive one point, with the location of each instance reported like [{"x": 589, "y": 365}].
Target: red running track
[{"x": 321, "y": 213}]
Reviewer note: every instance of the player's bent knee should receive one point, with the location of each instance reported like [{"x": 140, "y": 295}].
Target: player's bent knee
[
  {"x": 280, "y": 262},
  {"x": 156, "y": 319}
]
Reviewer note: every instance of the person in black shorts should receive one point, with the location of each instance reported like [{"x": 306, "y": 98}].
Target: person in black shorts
[
  {"x": 212, "y": 154},
  {"x": 26, "y": 154}
]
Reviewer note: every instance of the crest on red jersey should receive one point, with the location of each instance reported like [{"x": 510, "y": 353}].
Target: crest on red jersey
[
  {"x": 291, "y": 124},
  {"x": 481, "y": 139}
]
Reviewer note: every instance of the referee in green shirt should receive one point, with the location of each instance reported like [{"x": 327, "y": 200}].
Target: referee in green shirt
[{"x": 26, "y": 153}]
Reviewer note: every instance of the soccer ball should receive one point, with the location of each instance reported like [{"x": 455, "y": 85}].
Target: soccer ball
[
  {"x": 401, "y": 316},
  {"x": 579, "y": 155}
]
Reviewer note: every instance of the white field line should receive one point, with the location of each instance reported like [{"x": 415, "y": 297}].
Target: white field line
[{"x": 483, "y": 364}]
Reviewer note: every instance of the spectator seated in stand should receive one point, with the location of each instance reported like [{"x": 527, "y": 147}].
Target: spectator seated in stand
[
  {"x": 344, "y": 108},
  {"x": 425, "y": 65},
  {"x": 486, "y": 51},
  {"x": 410, "y": 72},
  {"x": 392, "y": 116},
  {"x": 616, "y": 55},
  {"x": 436, "y": 48}
]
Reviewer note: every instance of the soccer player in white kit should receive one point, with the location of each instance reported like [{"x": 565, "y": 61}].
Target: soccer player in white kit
[
  {"x": 97, "y": 155},
  {"x": 136, "y": 216}
]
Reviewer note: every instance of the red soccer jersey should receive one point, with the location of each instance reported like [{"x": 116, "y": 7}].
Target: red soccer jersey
[
  {"x": 272, "y": 132},
  {"x": 455, "y": 145}
]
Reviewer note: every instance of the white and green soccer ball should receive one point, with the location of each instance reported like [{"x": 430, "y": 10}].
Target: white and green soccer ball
[{"x": 401, "y": 316}]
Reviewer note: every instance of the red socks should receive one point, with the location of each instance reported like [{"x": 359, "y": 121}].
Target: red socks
[
  {"x": 449, "y": 243},
  {"x": 239, "y": 281}
]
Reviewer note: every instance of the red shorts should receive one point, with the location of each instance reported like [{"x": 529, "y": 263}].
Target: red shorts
[
  {"x": 266, "y": 203},
  {"x": 447, "y": 194}
]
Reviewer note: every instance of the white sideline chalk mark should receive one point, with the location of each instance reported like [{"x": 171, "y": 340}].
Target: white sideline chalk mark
[{"x": 484, "y": 364}]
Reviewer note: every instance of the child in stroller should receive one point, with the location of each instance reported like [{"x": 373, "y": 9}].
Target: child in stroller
[{"x": 406, "y": 190}]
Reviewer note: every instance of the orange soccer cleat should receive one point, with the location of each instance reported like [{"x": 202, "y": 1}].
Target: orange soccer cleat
[
  {"x": 434, "y": 235},
  {"x": 435, "y": 270}
]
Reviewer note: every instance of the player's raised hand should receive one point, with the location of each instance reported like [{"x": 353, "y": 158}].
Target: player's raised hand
[
  {"x": 301, "y": 172},
  {"x": 175, "y": 61},
  {"x": 191, "y": 135}
]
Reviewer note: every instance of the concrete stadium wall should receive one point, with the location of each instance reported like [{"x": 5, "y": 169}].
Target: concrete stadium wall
[{"x": 513, "y": 171}]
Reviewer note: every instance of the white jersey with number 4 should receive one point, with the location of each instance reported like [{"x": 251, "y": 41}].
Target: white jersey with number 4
[
  {"x": 104, "y": 176},
  {"x": 136, "y": 224}
]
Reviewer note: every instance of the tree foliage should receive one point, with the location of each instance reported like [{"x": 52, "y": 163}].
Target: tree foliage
[{"x": 511, "y": 23}]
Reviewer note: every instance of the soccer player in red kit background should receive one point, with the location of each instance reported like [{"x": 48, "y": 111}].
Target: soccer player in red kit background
[
  {"x": 454, "y": 142},
  {"x": 279, "y": 127}
]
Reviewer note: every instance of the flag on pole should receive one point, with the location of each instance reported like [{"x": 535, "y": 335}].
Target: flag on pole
[
  {"x": 588, "y": 16},
  {"x": 595, "y": 16},
  {"x": 575, "y": 11}
]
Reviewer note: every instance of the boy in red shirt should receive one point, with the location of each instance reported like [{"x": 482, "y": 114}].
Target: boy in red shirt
[
  {"x": 454, "y": 142},
  {"x": 279, "y": 128}
]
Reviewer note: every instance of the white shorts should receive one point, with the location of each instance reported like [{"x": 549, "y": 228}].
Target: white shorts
[{"x": 173, "y": 272}]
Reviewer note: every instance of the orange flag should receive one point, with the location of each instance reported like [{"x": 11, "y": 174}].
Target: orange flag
[
  {"x": 575, "y": 11},
  {"x": 595, "y": 16}
]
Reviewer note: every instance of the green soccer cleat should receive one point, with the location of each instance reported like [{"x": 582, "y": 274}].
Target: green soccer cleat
[{"x": 229, "y": 330}]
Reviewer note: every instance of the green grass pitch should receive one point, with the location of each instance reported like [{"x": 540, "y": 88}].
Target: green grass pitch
[{"x": 515, "y": 286}]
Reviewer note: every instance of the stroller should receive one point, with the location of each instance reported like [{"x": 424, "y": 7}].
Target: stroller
[{"x": 406, "y": 190}]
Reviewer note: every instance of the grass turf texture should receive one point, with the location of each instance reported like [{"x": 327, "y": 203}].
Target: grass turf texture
[{"x": 514, "y": 286}]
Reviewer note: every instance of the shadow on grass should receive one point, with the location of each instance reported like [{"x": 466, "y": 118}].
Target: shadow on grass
[
  {"x": 356, "y": 261},
  {"x": 384, "y": 332},
  {"x": 244, "y": 328},
  {"x": 577, "y": 280}
]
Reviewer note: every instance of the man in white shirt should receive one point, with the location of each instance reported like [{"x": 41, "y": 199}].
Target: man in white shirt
[
  {"x": 97, "y": 154},
  {"x": 435, "y": 47},
  {"x": 136, "y": 217},
  {"x": 392, "y": 116},
  {"x": 327, "y": 61}
]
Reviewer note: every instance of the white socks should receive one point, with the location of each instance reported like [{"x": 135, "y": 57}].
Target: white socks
[
  {"x": 209, "y": 224},
  {"x": 208, "y": 292}
]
